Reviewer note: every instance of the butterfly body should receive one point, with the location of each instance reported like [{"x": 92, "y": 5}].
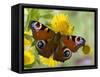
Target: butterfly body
[{"x": 48, "y": 42}]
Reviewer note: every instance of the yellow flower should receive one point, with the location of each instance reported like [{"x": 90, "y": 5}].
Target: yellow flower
[
  {"x": 29, "y": 58},
  {"x": 27, "y": 43},
  {"x": 60, "y": 23},
  {"x": 86, "y": 49},
  {"x": 49, "y": 61},
  {"x": 28, "y": 32}
]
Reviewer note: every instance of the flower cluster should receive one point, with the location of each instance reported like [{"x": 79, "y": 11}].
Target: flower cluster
[
  {"x": 49, "y": 61},
  {"x": 29, "y": 57},
  {"x": 60, "y": 23}
]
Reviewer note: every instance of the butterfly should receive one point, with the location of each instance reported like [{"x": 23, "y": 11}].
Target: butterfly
[{"x": 48, "y": 42}]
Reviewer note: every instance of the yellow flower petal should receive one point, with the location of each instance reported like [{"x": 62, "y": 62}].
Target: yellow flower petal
[
  {"x": 49, "y": 61},
  {"x": 29, "y": 58},
  {"x": 27, "y": 42},
  {"x": 28, "y": 32},
  {"x": 60, "y": 23}
]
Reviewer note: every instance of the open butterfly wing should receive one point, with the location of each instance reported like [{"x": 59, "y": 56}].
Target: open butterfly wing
[
  {"x": 66, "y": 46},
  {"x": 43, "y": 37}
]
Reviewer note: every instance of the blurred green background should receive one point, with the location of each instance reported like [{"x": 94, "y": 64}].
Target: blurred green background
[{"x": 83, "y": 23}]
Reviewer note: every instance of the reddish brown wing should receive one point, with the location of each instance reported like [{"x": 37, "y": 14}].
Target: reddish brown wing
[
  {"x": 73, "y": 42},
  {"x": 43, "y": 37},
  {"x": 41, "y": 32},
  {"x": 66, "y": 46}
]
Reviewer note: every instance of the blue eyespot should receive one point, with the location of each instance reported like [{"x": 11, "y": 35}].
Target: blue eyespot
[
  {"x": 67, "y": 53},
  {"x": 40, "y": 44},
  {"x": 36, "y": 26},
  {"x": 79, "y": 40}
]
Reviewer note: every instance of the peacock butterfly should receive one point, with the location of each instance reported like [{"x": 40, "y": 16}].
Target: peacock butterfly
[{"x": 48, "y": 42}]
